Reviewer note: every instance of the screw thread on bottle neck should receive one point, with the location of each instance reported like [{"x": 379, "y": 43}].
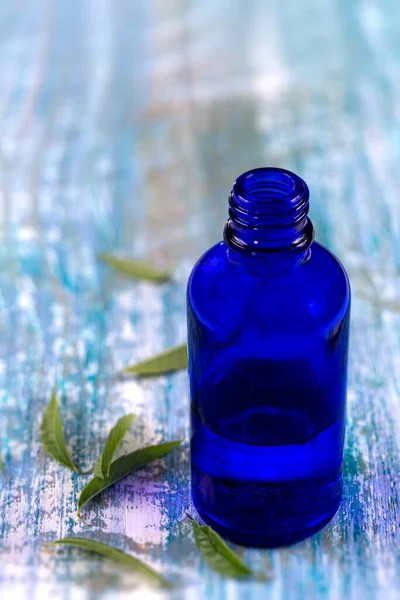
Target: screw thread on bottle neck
[{"x": 268, "y": 210}]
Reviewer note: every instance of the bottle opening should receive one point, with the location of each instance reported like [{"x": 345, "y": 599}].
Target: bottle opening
[
  {"x": 255, "y": 191},
  {"x": 268, "y": 210}
]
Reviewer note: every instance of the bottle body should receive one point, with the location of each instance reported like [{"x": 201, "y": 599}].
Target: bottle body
[{"x": 268, "y": 344}]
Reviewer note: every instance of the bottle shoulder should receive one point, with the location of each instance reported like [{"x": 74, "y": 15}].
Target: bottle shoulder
[{"x": 225, "y": 289}]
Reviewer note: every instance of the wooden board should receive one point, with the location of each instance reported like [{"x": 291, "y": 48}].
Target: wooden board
[{"x": 122, "y": 126}]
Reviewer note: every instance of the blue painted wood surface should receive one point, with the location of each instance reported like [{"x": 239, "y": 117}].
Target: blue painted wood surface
[{"x": 122, "y": 126}]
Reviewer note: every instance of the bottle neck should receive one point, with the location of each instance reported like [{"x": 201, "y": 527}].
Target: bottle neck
[{"x": 268, "y": 210}]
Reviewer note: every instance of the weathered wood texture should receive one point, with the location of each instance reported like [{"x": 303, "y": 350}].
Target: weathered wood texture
[{"x": 122, "y": 126}]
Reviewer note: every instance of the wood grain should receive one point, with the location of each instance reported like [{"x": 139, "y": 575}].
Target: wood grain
[{"x": 122, "y": 127}]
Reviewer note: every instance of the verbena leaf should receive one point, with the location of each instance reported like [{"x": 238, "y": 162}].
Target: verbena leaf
[
  {"x": 115, "y": 555},
  {"x": 122, "y": 467},
  {"x": 52, "y": 435},
  {"x": 218, "y": 555},
  {"x": 135, "y": 268},
  {"x": 173, "y": 359},
  {"x": 102, "y": 466}
]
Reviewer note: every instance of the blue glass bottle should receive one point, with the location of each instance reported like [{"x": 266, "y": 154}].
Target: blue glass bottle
[{"x": 268, "y": 329}]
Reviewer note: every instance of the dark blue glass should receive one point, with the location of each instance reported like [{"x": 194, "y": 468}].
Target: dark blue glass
[{"x": 268, "y": 328}]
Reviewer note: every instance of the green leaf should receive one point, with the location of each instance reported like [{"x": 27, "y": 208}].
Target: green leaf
[
  {"x": 52, "y": 435},
  {"x": 135, "y": 268},
  {"x": 115, "y": 437},
  {"x": 122, "y": 467},
  {"x": 173, "y": 359},
  {"x": 218, "y": 555},
  {"x": 115, "y": 555}
]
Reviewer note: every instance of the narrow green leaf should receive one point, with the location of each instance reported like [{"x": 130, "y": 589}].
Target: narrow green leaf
[
  {"x": 173, "y": 359},
  {"x": 117, "y": 556},
  {"x": 1, "y": 465},
  {"x": 122, "y": 467},
  {"x": 115, "y": 437},
  {"x": 218, "y": 555},
  {"x": 52, "y": 435},
  {"x": 135, "y": 268}
]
